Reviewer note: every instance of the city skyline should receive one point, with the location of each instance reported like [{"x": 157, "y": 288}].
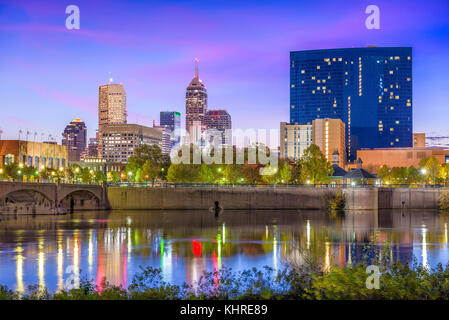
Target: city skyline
[{"x": 245, "y": 74}]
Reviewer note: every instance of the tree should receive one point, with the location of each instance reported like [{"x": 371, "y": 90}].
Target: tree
[
  {"x": 431, "y": 168},
  {"x": 232, "y": 174},
  {"x": 285, "y": 173},
  {"x": 250, "y": 174},
  {"x": 399, "y": 175},
  {"x": 86, "y": 175},
  {"x": 384, "y": 174},
  {"x": 413, "y": 175},
  {"x": 12, "y": 170},
  {"x": 183, "y": 173},
  {"x": 444, "y": 173},
  {"x": 113, "y": 176},
  {"x": 150, "y": 171},
  {"x": 100, "y": 176},
  {"x": 314, "y": 166},
  {"x": 206, "y": 174}
]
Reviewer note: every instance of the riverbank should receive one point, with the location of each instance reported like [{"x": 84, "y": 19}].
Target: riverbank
[
  {"x": 279, "y": 198},
  {"x": 396, "y": 282}
]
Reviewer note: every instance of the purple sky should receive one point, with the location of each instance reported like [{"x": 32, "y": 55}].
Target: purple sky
[{"x": 50, "y": 75}]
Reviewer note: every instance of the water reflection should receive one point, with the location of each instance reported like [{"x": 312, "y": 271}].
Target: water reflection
[{"x": 47, "y": 250}]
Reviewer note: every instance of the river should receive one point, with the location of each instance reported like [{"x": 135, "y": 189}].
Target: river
[{"x": 44, "y": 250}]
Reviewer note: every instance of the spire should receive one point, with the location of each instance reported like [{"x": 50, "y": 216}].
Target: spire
[{"x": 196, "y": 68}]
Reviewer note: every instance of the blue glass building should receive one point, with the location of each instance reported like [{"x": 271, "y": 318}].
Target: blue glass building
[
  {"x": 171, "y": 120},
  {"x": 369, "y": 89}
]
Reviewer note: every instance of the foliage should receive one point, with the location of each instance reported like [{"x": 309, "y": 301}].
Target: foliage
[
  {"x": 444, "y": 200},
  {"x": 431, "y": 167},
  {"x": 314, "y": 166}
]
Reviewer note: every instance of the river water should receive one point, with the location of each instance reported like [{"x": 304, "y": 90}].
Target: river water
[{"x": 45, "y": 250}]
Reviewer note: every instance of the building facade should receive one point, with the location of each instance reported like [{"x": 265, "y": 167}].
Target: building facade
[
  {"x": 369, "y": 89},
  {"x": 111, "y": 108},
  {"x": 75, "y": 137},
  {"x": 294, "y": 139},
  {"x": 120, "y": 140},
  {"x": 33, "y": 154},
  {"x": 419, "y": 140},
  {"x": 373, "y": 159},
  {"x": 219, "y": 120},
  {"x": 329, "y": 136},
  {"x": 196, "y": 105}
]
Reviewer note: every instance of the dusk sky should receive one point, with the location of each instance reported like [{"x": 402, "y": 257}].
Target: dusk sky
[{"x": 50, "y": 75}]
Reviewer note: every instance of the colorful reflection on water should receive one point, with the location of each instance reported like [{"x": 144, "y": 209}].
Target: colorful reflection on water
[{"x": 45, "y": 250}]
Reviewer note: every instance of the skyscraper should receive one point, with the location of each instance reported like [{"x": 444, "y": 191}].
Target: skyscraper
[
  {"x": 196, "y": 104},
  {"x": 75, "y": 138},
  {"x": 219, "y": 120},
  {"x": 294, "y": 140},
  {"x": 111, "y": 109},
  {"x": 369, "y": 89},
  {"x": 171, "y": 122}
]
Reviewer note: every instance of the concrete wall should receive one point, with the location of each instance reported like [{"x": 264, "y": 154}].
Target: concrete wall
[
  {"x": 229, "y": 198},
  {"x": 268, "y": 198}
]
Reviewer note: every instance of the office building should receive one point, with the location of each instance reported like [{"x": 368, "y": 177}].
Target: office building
[
  {"x": 120, "y": 140},
  {"x": 329, "y": 136},
  {"x": 219, "y": 120},
  {"x": 171, "y": 122},
  {"x": 369, "y": 89},
  {"x": 294, "y": 139},
  {"x": 75, "y": 137},
  {"x": 111, "y": 108},
  {"x": 196, "y": 105}
]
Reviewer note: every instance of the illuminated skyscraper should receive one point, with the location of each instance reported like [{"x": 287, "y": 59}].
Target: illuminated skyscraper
[
  {"x": 219, "y": 120},
  {"x": 196, "y": 104},
  {"x": 75, "y": 138},
  {"x": 111, "y": 109},
  {"x": 369, "y": 89}
]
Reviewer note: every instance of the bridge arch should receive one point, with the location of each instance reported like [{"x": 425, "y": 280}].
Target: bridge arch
[{"x": 80, "y": 199}]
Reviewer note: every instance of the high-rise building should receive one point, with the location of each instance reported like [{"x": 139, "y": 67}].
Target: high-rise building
[
  {"x": 219, "y": 120},
  {"x": 74, "y": 137},
  {"x": 196, "y": 104},
  {"x": 294, "y": 139},
  {"x": 111, "y": 108},
  {"x": 369, "y": 89},
  {"x": 171, "y": 122},
  {"x": 329, "y": 136},
  {"x": 120, "y": 140}
]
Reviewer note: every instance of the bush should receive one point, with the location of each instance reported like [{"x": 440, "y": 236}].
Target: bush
[
  {"x": 335, "y": 202},
  {"x": 444, "y": 200}
]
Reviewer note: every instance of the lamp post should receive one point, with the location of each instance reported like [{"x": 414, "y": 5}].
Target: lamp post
[{"x": 424, "y": 172}]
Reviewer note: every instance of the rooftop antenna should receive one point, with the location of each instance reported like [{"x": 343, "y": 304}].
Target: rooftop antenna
[
  {"x": 196, "y": 67},
  {"x": 110, "y": 77},
  {"x": 1, "y": 131}
]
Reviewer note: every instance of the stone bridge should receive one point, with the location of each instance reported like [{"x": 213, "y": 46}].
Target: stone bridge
[{"x": 51, "y": 195}]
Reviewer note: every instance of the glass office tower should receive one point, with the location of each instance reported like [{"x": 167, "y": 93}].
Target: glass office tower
[{"x": 369, "y": 89}]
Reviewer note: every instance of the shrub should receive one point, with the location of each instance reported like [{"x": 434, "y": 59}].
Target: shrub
[{"x": 444, "y": 200}]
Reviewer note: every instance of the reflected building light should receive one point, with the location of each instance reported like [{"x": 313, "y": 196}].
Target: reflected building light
[
  {"x": 308, "y": 234},
  {"x": 41, "y": 264},
  {"x": 60, "y": 262},
  {"x": 90, "y": 257},
  {"x": 129, "y": 244},
  {"x": 219, "y": 250},
  {"x": 275, "y": 258},
  {"x": 19, "y": 270},
  {"x": 224, "y": 233},
  {"x": 266, "y": 232},
  {"x": 425, "y": 262},
  {"x": 327, "y": 258}
]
